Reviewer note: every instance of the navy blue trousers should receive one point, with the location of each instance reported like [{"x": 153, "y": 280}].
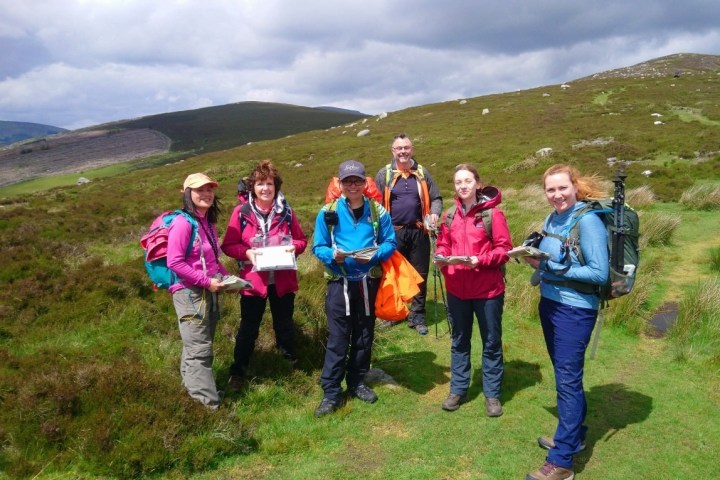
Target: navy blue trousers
[
  {"x": 350, "y": 336},
  {"x": 567, "y": 332},
  {"x": 489, "y": 316}
]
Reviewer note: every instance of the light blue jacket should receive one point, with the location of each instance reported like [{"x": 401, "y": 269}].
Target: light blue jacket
[
  {"x": 593, "y": 243},
  {"x": 352, "y": 235}
]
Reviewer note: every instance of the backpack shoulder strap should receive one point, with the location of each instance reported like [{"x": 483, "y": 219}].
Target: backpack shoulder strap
[
  {"x": 330, "y": 207},
  {"x": 486, "y": 216},
  {"x": 450, "y": 214},
  {"x": 194, "y": 228},
  {"x": 375, "y": 218}
]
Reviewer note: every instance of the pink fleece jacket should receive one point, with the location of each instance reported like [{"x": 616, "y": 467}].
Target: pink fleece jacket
[{"x": 190, "y": 269}]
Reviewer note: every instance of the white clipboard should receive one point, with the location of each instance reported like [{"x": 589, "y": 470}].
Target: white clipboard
[{"x": 275, "y": 258}]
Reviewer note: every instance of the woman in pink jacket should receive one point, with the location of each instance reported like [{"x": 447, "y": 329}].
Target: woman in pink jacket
[
  {"x": 475, "y": 284},
  {"x": 195, "y": 296},
  {"x": 264, "y": 220}
]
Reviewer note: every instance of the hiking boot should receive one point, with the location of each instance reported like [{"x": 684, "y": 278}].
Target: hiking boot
[
  {"x": 287, "y": 355},
  {"x": 550, "y": 471},
  {"x": 420, "y": 328},
  {"x": 387, "y": 324},
  {"x": 364, "y": 393},
  {"x": 326, "y": 407},
  {"x": 547, "y": 443},
  {"x": 453, "y": 402},
  {"x": 493, "y": 408},
  {"x": 235, "y": 383}
]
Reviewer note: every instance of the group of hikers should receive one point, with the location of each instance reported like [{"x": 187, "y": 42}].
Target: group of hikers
[{"x": 471, "y": 240}]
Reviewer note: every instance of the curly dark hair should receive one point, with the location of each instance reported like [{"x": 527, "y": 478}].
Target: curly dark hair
[{"x": 264, "y": 170}]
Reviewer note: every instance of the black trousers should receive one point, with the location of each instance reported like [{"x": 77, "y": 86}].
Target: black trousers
[
  {"x": 414, "y": 245},
  {"x": 350, "y": 336},
  {"x": 251, "y": 313}
]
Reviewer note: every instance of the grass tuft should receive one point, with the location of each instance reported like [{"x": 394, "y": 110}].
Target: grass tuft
[
  {"x": 701, "y": 197},
  {"x": 696, "y": 334}
]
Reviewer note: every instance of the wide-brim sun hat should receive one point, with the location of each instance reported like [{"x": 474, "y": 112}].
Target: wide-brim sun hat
[{"x": 197, "y": 180}]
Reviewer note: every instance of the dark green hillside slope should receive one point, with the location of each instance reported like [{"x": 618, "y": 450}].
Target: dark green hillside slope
[{"x": 226, "y": 126}]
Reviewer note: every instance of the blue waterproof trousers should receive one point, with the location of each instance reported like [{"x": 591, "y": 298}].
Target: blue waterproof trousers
[
  {"x": 567, "y": 332},
  {"x": 489, "y": 316}
]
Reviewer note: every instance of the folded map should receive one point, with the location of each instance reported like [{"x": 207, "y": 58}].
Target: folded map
[
  {"x": 235, "y": 283},
  {"x": 527, "y": 251},
  {"x": 359, "y": 254}
]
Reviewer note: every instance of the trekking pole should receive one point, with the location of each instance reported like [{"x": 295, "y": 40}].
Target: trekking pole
[
  {"x": 437, "y": 279},
  {"x": 618, "y": 244}
]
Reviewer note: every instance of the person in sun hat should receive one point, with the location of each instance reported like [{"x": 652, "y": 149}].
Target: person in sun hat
[
  {"x": 195, "y": 295},
  {"x": 343, "y": 225},
  {"x": 568, "y": 312}
]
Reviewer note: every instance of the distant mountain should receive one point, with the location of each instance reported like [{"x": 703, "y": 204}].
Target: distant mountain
[
  {"x": 11, "y": 132},
  {"x": 342, "y": 110},
  {"x": 227, "y": 126},
  {"x": 187, "y": 132}
]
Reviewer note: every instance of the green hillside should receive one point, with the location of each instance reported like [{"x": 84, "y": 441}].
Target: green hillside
[
  {"x": 89, "y": 385},
  {"x": 227, "y": 126}
]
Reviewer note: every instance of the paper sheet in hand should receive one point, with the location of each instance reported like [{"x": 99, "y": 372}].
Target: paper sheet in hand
[
  {"x": 361, "y": 253},
  {"x": 527, "y": 251},
  {"x": 275, "y": 258},
  {"x": 453, "y": 259},
  {"x": 235, "y": 283}
]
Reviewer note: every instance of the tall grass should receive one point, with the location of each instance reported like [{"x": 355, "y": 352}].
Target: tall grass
[
  {"x": 696, "y": 334},
  {"x": 657, "y": 229},
  {"x": 715, "y": 259},
  {"x": 701, "y": 197},
  {"x": 641, "y": 197}
]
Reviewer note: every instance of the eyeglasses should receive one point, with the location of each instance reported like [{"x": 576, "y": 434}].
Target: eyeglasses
[
  {"x": 400, "y": 149},
  {"x": 348, "y": 182}
]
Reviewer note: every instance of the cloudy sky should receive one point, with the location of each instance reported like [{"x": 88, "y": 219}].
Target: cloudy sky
[{"x": 74, "y": 63}]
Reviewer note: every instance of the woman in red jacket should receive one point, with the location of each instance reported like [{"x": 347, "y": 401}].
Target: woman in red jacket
[
  {"x": 264, "y": 220},
  {"x": 475, "y": 285}
]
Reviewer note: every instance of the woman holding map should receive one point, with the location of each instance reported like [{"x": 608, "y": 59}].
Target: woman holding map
[
  {"x": 472, "y": 245},
  {"x": 264, "y": 224}
]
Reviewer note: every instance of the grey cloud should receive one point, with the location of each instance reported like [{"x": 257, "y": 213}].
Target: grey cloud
[{"x": 98, "y": 61}]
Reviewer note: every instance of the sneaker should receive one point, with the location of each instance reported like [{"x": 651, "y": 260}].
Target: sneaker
[
  {"x": 493, "y": 408},
  {"x": 550, "y": 471},
  {"x": 235, "y": 383},
  {"x": 453, "y": 402},
  {"x": 364, "y": 393},
  {"x": 387, "y": 324},
  {"x": 420, "y": 328},
  {"x": 326, "y": 407},
  {"x": 547, "y": 443}
]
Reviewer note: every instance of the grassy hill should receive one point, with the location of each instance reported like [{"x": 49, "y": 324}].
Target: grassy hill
[
  {"x": 109, "y": 149},
  {"x": 227, "y": 126},
  {"x": 88, "y": 352},
  {"x": 11, "y": 132}
]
